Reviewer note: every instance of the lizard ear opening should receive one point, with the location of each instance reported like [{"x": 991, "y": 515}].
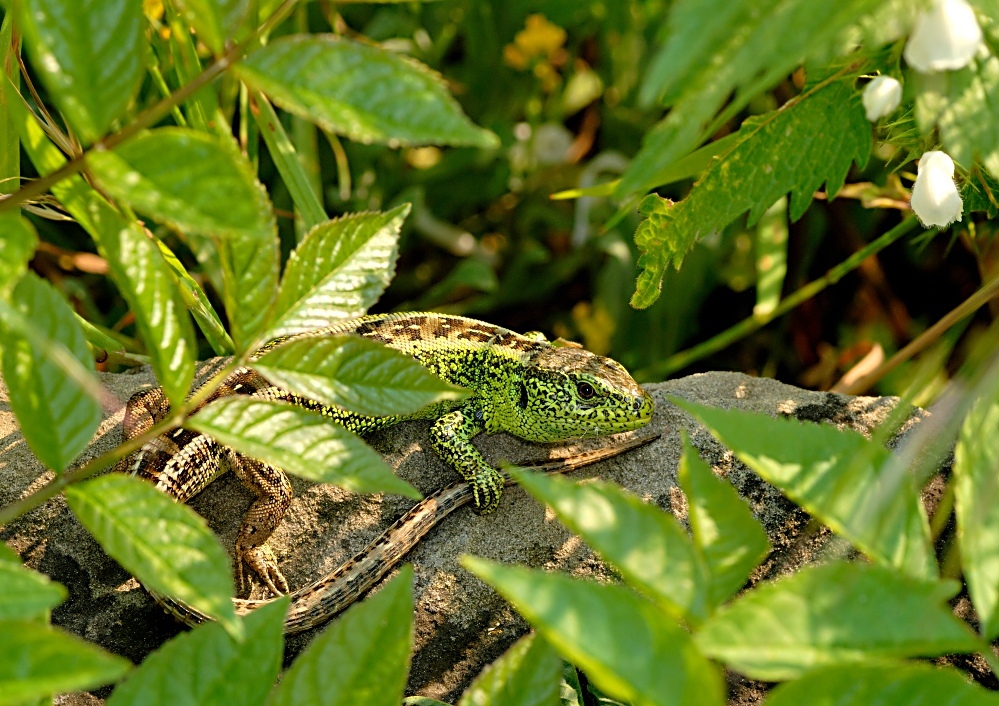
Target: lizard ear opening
[{"x": 522, "y": 403}]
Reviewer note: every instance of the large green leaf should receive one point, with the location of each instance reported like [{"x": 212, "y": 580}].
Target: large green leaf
[
  {"x": 215, "y": 20},
  {"x": 361, "y": 91},
  {"x": 976, "y": 490},
  {"x": 826, "y": 131},
  {"x": 355, "y": 374},
  {"x": 56, "y": 410},
  {"x": 11, "y": 115},
  {"x": 834, "y": 614},
  {"x": 627, "y": 646},
  {"x": 338, "y": 271},
  {"x": 168, "y": 546},
  {"x": 835, "y": 475},
  {"x": 650, "y": 548},
  {"x": 362, "y": 658},
  {"x": 964, "y": 104},
  {"x": 298, "y": 441},
  {"x": 526, "y": 675},
  {"x": 17, "y": 244},
  {"x": 137, "y": 266},
  {"x": 732, "y": 542},
  {"x": 39, "y": 661},
  {"x": 717, "y": 46},
  {"x": 883, "y": 685},
  {"x": 25, "y": 593},
  {"x": 192, "y": 180},
  {"x": 90, "y": 55},
  {"x": 206, "y": 667}
]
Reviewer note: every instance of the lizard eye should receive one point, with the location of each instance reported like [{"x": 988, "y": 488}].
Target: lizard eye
[{"x": 585, "y": 390}]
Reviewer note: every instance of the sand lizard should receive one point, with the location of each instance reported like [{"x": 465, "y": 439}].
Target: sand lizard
[{"x": 521, "y": 384}]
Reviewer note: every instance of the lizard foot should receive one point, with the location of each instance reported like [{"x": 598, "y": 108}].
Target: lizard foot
[
  {"x": 262, "y": 560},
  {"x": 487, "y": 493}
]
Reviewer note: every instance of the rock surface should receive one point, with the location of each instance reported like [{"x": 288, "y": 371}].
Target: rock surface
[{"x": 461, "y": 624}]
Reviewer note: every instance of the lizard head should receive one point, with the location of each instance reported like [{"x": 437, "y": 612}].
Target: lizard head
[{"x": 570, "y": 393}]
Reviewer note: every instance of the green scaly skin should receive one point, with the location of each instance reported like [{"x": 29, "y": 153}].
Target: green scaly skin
[{"x": 520, "y": 384}]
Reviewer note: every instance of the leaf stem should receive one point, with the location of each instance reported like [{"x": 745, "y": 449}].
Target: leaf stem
[
  {"x": 753, "y": 323},
  {"x": 150, "y": 115}
]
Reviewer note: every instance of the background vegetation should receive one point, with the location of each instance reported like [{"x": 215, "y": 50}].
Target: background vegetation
[{"x": 189, "y": 156}]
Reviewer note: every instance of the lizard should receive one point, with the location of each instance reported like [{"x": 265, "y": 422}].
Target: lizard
[{"x": 525, "y": 385}]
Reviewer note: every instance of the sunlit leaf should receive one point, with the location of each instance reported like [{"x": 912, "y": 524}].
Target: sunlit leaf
[
  {"x": 17, "y": 244},
  {"x": 25, "y": 593},
  {"x": 526, "y": 675}
]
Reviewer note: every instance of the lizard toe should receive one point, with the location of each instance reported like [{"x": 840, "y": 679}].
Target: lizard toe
[{"x": 263, "y": 562}]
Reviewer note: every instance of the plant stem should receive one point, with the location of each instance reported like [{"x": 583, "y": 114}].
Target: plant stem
[
  {"x": 753, "y": 323},
  {"x": 150, "y": 115}
]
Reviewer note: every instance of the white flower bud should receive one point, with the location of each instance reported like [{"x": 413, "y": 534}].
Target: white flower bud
[
  {"x": 935, "y": 199},
  {"x": 881, "y": 96},
  {"x": 946, "y": 37}
]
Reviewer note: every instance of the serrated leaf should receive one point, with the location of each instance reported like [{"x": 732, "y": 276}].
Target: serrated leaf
[
  {"x": 834, "y": 614},
  {"x": 355, "y": 374},
  {"x": 189, "y": 179},
  {"x": 647, "y": 546},
  {"x": 206, "y": 667},
  {"x": 976, "y": 491},
  {"x": 361, "y": 91},
  {"x": 215, "y": 20},
  {"x": 165, "y": 544},
  {"x": 826, "y": 131},
  {"x": 39, "y": 661},
  {"x": 298, "y": 441},
  {"x": 528, "y": 674},
  {"x": 836, "y": 476},
  {"x": 17, "y": 244},
  {"x": 963, "y": 104},
  {"x": 25, "y": 593},
  {"x": 362, "y": 658},
  {"x": 90, "y": 55},
  {"x": 627, "y": 646},
  {"x": 719, "y": 46},
  {"x": 339, "y": 270},
  {"x": 137, "y": 266},
  {"x": 883, "y": 685},
  {"x": 732, "y": 542},
  {"x": 56, "y": 411}
]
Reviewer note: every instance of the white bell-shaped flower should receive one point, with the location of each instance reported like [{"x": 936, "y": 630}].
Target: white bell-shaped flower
[
  {"x": 881, "y": 96},
  {"x": 935, "y": 199},
  {"x": 946, "y": 37}
]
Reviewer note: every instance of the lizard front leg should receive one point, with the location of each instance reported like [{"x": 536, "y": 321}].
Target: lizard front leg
[{"x": 451, "y": 437}]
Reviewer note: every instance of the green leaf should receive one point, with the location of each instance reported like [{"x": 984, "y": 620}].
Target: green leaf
[
  {"x": 883, "y": 685},
  {"x": 361, "y": 91},
  {"x": 286, "y": 160},
  {"x": 422, "y": 701},
  {"x": 731, "y": 540},
  {"x": 626, "y": 645},
  {"x": 650, "y": 548},
  {"x": 207, "y": 667},
  {"x": 976, "y": 491},
  {"x": 338, "y": 271},
  {"x": 718, "y": 46},
  {"x": 250, "y": 264},
  {"x": 825, "y": 131},
  {"x": 188, "y": 179},
  {"x": 771, "y": 257},
  {"x": 8, "y": 555},
  {"x": 90, "y": 55},
  {"x": 39, "y": 661},
  {"x": 10, "y": 115},
  {"x": 835, "y": 475},
  {"x": 26, "y": 594},
  {"x": 165, "y": 544},
  {"x": 298, "y": 441},
  {"x": 963, "y": 104},
  {"x": 528, "y": 674},
  {"x": 137, "y": 267},
  {"x": 57, "y": 412},
  {"x": 356, "y": 374},
  {"x": 362, "y": 658},
  {"x": 18, "y": 240},
  {"x": 215, "y": 20},
  {"x": 834, "y": 614}
]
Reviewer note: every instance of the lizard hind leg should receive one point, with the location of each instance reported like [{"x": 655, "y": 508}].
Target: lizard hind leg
[
  {"x": 451, "y": 437},
  {"x": 273, "y": 491}
]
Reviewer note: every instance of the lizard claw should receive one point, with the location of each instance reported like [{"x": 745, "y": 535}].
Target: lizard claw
[
  {"x": 263, "y": 562},
  {"x": 486, "y": 494}
]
